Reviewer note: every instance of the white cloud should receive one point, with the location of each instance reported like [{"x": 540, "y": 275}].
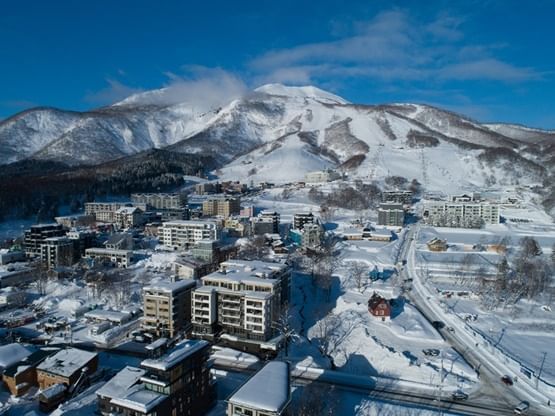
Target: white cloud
[{"x": 113, "y": 92}]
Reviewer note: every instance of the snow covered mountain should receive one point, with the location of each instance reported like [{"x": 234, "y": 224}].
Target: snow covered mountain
[{"x": 278, "y": 133}]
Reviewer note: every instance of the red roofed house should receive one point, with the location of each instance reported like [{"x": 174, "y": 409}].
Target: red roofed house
[{"x": 379, "y": 306}]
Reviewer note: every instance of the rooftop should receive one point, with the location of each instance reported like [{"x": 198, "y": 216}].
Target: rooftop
[
  {"x": 268, "y": 390},
  {"x": 140, "y": 399},
  {"x": 119, "y": 385},
  {"x": 176, "y": 355},
  {"x": 12, "y": 353},
  {"x": 66, "y": 362},
  {"x": 171, "y": 287}
]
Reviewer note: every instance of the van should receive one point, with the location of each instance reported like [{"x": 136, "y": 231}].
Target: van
[{"x": 522, "y": 408}]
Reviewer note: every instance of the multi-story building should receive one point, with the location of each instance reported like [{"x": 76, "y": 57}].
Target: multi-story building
[
  {"x": 299, "y": 220},
  {"x": 400, "y": 197},
  {"x": 79, "y": 220},
  {"x": 267, "y": 222},
  {"x": 242, "y": 299},
  {"x": 177, "y": 383},
  {"x": 128, "y": 217},
  {"x": 267, "y": 393},
  {"x": 82, "y": 240},
  {"x": 223, "y": 206},
  {"x": 208, "y": 188},
  {"x": 106, "y": 211},
  {"x": 391, "y": 214},
  {"x": 35, "y": 236},
  {"x": 238, "y": 226},
  {"x": 161, "y": 201},
  {"x": 116, "y": 258},
  {"x": 312, "y": 236},
  {"x": 57, "y": 251},
  {"x": 182, "y": 234},
  {"x": 322, "y": 176},
  {"x": 119, "y": 241},
  {"x": 11, "y": 256},
  {"x": 167, "y": 307},
  {"x": 461, "y": 214}
]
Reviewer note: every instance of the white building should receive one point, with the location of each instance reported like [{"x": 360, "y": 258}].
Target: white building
[
  {"x": 181, "y": 234},
  {"x": 461, "y": 214},
  {"x": 117, "y": 258},
  {"x": 267, "y": 393},
  {"x": 322, "y": 176}
]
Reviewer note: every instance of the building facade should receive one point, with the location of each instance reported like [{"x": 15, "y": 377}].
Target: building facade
[
  {"x": 299, "y": 220},
  {"x": 116, "y": 258},
  {"x": 163, "y": 201},
  {"x": 391, "y": 214},
  {"x": 57, "y": 251},
  {"x": 182, "y": 234},
  {"x": 461, "y": 214},
  {"x": 35, "y": 236},
  {"x": 221, "y": 206}
]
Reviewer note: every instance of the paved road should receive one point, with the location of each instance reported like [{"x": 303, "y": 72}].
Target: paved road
[{"x": 489, "y": 370}]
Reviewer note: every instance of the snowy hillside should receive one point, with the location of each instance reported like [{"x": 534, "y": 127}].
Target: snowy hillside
[{"x": 279, "y": 133}]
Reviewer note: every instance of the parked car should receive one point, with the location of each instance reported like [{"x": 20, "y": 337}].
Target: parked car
[
  {"x": 507, "y": 380},
  {"x": 438, "y": 324},
  {"x": 450, "y": 329},
  {"x": 522, "y": 408},
  {"x": 459, "y": 395},
  {"x": 432, "y": 352}
]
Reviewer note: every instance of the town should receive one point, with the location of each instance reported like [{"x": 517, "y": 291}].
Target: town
[{"x": 262, "y": 299}]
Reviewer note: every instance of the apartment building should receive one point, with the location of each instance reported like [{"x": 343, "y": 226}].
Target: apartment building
[
  {"x": 223, "y": 206},
  {"x": 267, "y": 393},
  {"x": 300, "y": 219},
  {"x": 116, "y": 258},
  {"x": 461, "y": 214},
  {"x": 163, "y": 201},
  {"x": 400, "y": 197},
  {"x": 391, "y": 214},
  {"x": 167, "y": 307},
  {"x": 182, "y": 234},
  {"x": 322, "y": 176},
  {"x": 242, "y": 299},
  {"x": 312, "y": 236},
  {"x": 35, "y": 236},
  {"x": 176, "y": 383},
  {"x": 57, "y": 251},
  {"x": 106, "y": 211},
  {"x": 128, "y": 217}
]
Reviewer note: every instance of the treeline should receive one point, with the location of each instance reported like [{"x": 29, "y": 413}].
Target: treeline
[{"x": 37, "y": 189}]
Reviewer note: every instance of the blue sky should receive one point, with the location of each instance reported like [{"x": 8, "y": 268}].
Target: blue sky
[{"x": 492, "y": 60}]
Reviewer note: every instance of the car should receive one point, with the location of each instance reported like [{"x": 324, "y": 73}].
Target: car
[
  {"x": 507, "y": 380},
  {"x": 459, "y": 395},
  {"x": 438, "y": 324},
  {"x": 522, "y": 408},
  {"x": 450, "y": 329},
  {"x": 432, "y": 352}
]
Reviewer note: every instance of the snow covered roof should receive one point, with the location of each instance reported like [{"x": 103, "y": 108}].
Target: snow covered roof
[
  {"x": 179, "y": 353},
  {"x": 111, "y": 316},
  {"x": 171, "y": 287},
  {"x": 160, "y": 342},
  {"x": 53, "y": 391},
  {"x": 119, "y": 385},
  {"x": 128, "y": 210},
  {"x": 140, "y": 399},
  {"x": 66, "y": 362},
  {"x": 11, "y": 354},
  {"x": 268, "y": 390}
]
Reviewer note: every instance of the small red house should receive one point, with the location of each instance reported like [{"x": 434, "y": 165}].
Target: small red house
[{"x": 379, "y": 306}]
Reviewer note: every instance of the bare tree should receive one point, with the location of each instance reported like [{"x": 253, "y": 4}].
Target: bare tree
[
  {"x": 284, "y": 328},
  {"x": 255, "y": 248},
  {"x": 358, "y": 273},
  {"x": 40, "y": 269},
  {"x": 315, "y": 400}
]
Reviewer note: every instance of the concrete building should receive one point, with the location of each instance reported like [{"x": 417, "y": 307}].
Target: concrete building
[
  {"x": 312, "y": 236},
  {"x": 322, "y": 176},
  {"x": 223, "y": 206},
  {"x": 11, "y": 256},
  {"x": 82, "y": 240},
  {"x": 35, "y": 236},
  {"x": 66, "y": 367},
  {"x": 242, "y": 299},
  {"x": 176, "y": 383},
  {"x": 119, "y": 241},
  {"x": 106, "y": 211},
  {"x": 57, "y": 251},
  {"x": 167, "y": 307},
  {"x": 391, "y": 214},
  {"x": 300, "y": 219},
  {"x": 128, "y": 217},
  {"x": 161, "y": 201},
  {"x": 182, "y": 234},
  {"x": 79, "y": 220},
  {"x": 208, "y": 188},
  {"x": 399, "y": 197},
  {"x": 267, "y": 393},
  {"x": 461, "y": 214},
  {"x": 22, "y": 376},
  {"x": 116, "y": 258},
  {"x": 238, "y": 226}
]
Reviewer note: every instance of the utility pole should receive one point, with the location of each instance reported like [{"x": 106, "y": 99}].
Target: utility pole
[{"x": 541, "y": 369}]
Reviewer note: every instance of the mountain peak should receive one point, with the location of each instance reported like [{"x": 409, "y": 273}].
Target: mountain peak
[{"x": 307, "y": 91}]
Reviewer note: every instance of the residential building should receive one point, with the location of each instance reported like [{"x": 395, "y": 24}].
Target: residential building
[
  {"x": 119, "y": 241},
  {"x": 461, "y": 214},
  {"x": 17, "y": 277},
  {"x": 247, "y": 211},
  {"x": 399, "y": 197},
  {"x": 79, "y": 220},
  {"x": 312, "y": 236},
  {"x": 106, "y": 211},
  {"x": 223, "y": 206},
  {"x": 66, "y": 367},
  {"x": 128, "y": 217},
  {"x": 391, "y": 214},
  {"x": 379, "y": 306},
  {"x": 213, "y": 251},
  {"x": 11, "y": 256},
  {"x": 242, "y": 299},
  {"x": 191, "y": 268},
  {"x": 300, "y": 219},
  {"x": 22, "y": 376},
  {"x": 208, "y": 188},
  {"x": 57, "y": 251},
  {"x": 322, "y": 176},
  {"x": 267, "y": 222},
  {"x": 12, "y": 297},
  {"x": 82, "y": 240},
  {"x": 238, "y": 226},
  {"x": 267, "y": 393},
  {"x": 182, "y": 234},
  {"x": 167, "y": 307},
  {"x": 161, "y": 201},
  {"x": 35, "y": 236},
  {"x": 116, "y": 258},
  {"x": 177, "y": 383}
]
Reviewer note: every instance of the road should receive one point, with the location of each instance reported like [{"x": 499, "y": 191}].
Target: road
[
  {"x": 372, "y": 388},
  {"x": 490, "y": 369}
]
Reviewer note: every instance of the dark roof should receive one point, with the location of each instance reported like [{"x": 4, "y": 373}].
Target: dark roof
[{"x": 376, "y": 300}]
